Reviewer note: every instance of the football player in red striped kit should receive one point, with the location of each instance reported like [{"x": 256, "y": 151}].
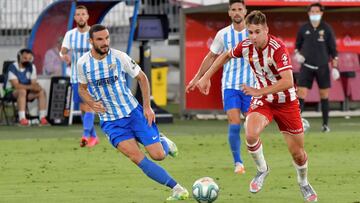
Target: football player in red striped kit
[{"x": 273, "y": 98}]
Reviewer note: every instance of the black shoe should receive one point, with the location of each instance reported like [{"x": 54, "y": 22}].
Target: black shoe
[{"x": 325, "y": 128}]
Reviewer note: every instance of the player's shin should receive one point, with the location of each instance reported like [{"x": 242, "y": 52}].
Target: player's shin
[
  {"x": 256, "y": 152},
  {"x": 235, "y": 141},
  {"x": 302, "y": 169},
  {"x": 156, "y": 172}
]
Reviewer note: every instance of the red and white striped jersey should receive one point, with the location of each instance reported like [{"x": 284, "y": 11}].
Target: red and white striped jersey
[{"x": 266, "y": 65}]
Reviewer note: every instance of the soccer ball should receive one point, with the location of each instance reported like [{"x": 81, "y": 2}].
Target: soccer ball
[
  {"x": 205, "y": 190},
  {"x": 306, "y": 124}
]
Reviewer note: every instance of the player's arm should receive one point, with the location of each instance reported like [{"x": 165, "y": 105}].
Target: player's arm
[
  {"x": 204, "y": 83},
  {"x": 298, "y": 44},
  {"x": 205, "y": 65},
  {"x": 145, "y": 93},
  {"x": 97, "y": 106},
  {"x": 65, "y": 49},
  {"x": 284, "y": 83},
  {"x": 15, "y": 83}
]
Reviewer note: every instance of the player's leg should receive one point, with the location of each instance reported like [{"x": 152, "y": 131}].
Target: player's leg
[
  {"x": 324, "y": 82},
  {"x": 255, "y": 124},
  {"x": 20, "y": 95},
  {"x": 232, "y": 105},
  {"x": 88, "y": 124},
  {"x": 296, "y": 148},
  {"x": 304, "y": 83},
  {"x": 41, "y": 96},
  {"x": 289, "y": 121}
]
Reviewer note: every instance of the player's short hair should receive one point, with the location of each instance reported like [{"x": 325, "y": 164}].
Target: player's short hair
[
  {"x": 256, "y": 17},
  {"x": 322, "y": 8},
  {"x": 82, "y": 7},
  {"x": 96, "y": 28},
  {"x": 231, "y": 2}
]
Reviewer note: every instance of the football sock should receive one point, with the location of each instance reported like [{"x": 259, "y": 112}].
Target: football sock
[
  {"x": 302, "y": 173},
  {"x": 256, "y": 152},
  {"x": 42, "y": 114},
  {"x": 156, "y": 172},
  {"x": 93, "y": 131},
  {"x": 165, "y": 145},
  {"x": 21, "y": 115},
  {"x": 88, "y": 123},
  {"x": 325, "y": 110},
  {"x": 301, "y": 101},
  {"x": 235, "y": 141}
]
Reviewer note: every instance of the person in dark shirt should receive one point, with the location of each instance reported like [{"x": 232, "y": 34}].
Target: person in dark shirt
[{"x": 315, "y": 46}]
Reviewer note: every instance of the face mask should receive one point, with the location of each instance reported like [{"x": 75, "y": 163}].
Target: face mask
[
  {"x": 315, "y": 18},
  {"x": 26, "y": 64}
]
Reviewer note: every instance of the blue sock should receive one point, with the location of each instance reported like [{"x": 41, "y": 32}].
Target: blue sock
[
  {"x": 165, "y": 146},
  {"x": 156, "y": 172},
  {"x": 235, "y": 141},
  {"x": 88, "y": 123},
  {"x": 93, "y": 131}
]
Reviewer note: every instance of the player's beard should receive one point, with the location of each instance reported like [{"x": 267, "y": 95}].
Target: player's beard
[
  {"x": 99, "y": 51},
  {"x": 237, "y": 20},
  {"x": 81, "y": 24}
]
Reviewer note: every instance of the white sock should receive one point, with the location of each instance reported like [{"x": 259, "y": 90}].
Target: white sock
[
  {"x": 302, "y": 173},
  {"x": 21, "y": 115},
  {"x": 42, "y": 114},
  {"x": 256, "y": 152},
  {"x": 177, "y": 187}
]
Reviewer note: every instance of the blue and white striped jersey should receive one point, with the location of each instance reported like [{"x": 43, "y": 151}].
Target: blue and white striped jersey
[
  {"x": 236, "y": 71},
  {"x": 78, "y": 44},
  {"x": 106, "y": 78}
]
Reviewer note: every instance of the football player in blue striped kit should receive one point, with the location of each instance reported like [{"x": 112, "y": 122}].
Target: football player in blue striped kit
[
  {"x": 235, "y": 73},
  {"x": 124, "y": 121},
  {"x": 77, "y": 42}
]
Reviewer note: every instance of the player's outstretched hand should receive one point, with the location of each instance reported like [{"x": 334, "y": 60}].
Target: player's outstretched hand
[
  {"x": 204, "y": 85},
  {"x": 191, "y": 86},
  {"x": 149, "y": 115},
  {"x": 98, "y": 107},
  {"x": 250, "y": 91}
]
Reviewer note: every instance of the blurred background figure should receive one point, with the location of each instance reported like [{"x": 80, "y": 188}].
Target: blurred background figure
[
  {"x": 315, "y": 45},
  {"x": 22, "y": 84},
  {"x": 53, "y": 65}
]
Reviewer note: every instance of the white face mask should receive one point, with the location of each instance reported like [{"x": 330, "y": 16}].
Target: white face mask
[{"x": 315, "y": 18}]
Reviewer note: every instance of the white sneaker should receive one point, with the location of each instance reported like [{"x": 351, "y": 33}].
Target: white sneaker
[
  {"x": 308, "y": 193},
  {"x": 258, "y": 181},
  {"x": 173, "y": 150},
  {"x": 179, "y": 193},
  {"x": 239, "y": 168}
]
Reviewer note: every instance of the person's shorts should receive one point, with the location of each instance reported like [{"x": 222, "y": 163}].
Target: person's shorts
[
  {"x": 322, "y": 76},
  {"x": 286, "y": 115},
  {"x": 76, "y": 97},
  {"x": 236, "y": 99},
  {"x": 132, "y": 126}
]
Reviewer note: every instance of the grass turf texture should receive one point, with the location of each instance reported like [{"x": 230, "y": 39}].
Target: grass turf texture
[{"x": 47, "y": 165}]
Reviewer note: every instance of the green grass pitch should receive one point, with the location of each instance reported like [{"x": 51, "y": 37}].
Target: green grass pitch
[{"x": 47, "y": 165}]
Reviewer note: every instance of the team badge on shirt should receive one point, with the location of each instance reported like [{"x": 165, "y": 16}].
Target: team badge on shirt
[
  {"x": 112, "y": 66},
  {"x": 321, "y": 36},
  {"x": 285, "y": 59}
]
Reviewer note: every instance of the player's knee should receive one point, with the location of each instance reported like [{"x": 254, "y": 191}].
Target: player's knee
[
  {"x": 158, "y": 155},
  {"x": 21, "y": 92},
  {"x": 298, "y": 156}
]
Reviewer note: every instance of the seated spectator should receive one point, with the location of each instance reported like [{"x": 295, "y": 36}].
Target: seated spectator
[
  {"x": 21, "y": 84},
  {"x": 53, "y": 65}
]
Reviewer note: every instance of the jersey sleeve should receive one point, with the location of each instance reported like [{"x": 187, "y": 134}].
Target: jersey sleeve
[
  {"x": 217, "y": 46},
  {"x": 282, "y": 59},
  {"x": 66, "y": 41},
  {"x": 236, "y": 52},
  {"x": 80, "y": 71},
  {"x": 130, "y": 66}
]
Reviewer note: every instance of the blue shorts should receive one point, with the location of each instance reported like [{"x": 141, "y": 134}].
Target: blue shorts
[
  {"x": 236, "y": 99},
  {"x": 76, "y": 96},
  {"x": 133, "y": 126}
]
